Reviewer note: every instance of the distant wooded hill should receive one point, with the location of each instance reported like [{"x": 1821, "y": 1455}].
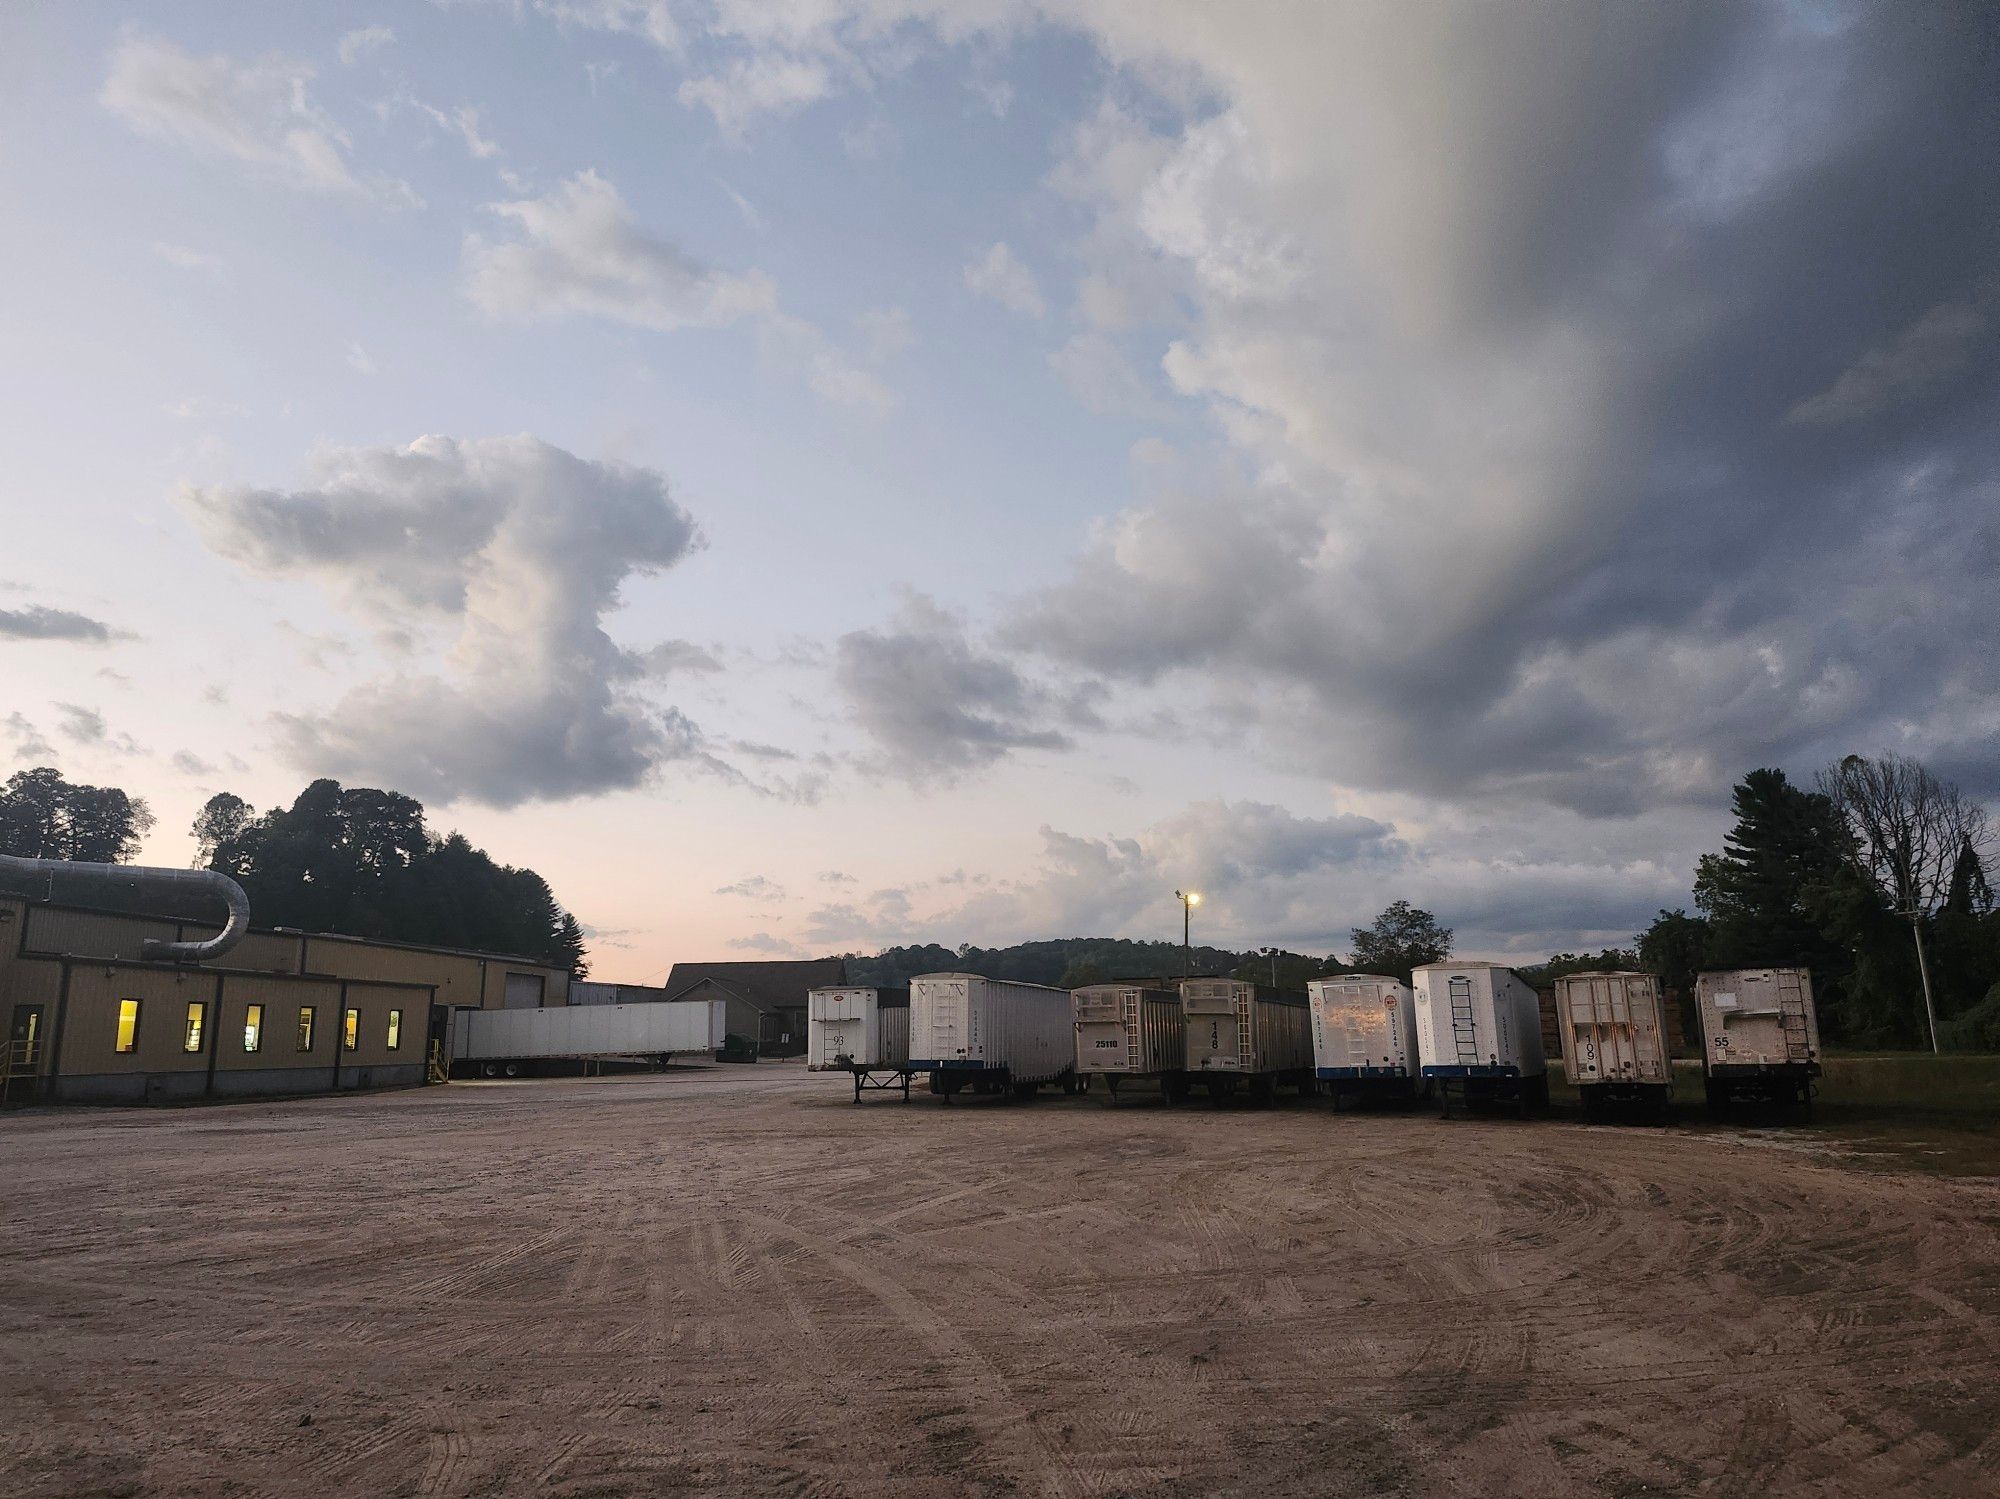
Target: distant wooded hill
[{"x": 1069, "y": 962}]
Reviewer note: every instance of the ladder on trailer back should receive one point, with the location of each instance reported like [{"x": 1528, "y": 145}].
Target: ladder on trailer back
[
  {"x": 1792, "y": 1023},
  {"x": 1464, "y": 1034}
]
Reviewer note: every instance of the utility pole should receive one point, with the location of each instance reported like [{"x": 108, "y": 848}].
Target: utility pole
[{"x": 1189, "y": 900}]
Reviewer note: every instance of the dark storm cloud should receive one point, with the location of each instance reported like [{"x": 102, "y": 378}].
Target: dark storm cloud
[{"x": 1620, "y": 396}]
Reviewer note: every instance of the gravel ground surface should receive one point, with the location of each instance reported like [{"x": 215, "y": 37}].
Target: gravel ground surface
[{"x": 735, "y": 1281}]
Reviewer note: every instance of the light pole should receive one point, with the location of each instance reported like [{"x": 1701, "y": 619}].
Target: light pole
[
  {"x": 1189, "y": 901},
  {"x": 1272, "y": 954}
]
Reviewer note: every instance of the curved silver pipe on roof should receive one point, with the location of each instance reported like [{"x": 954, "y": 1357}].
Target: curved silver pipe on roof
[{"x": 64, "y": 876}]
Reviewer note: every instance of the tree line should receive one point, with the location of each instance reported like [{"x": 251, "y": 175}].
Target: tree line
[{"x": 348, "y": 859}]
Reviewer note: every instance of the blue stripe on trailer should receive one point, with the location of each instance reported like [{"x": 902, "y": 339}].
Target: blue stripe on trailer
[{"x": 1472, "y": 1072}]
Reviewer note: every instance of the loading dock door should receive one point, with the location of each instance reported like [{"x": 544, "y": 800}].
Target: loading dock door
[{"x": 524, "y": 992}]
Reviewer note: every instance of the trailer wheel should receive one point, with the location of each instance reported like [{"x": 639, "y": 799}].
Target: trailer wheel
[
  {"x": 511, "y": 1069},
  {"x": 488, "y": 1069},
  {"x": 1069, "y": 1085},
  {"x": 1444, "y": 1099}
]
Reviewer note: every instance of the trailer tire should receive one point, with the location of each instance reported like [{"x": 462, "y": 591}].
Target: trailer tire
[{"x": 489, "y": 1069}]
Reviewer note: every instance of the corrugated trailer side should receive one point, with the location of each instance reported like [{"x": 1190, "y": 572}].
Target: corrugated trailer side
[
  {"x": 1128, "y": 1030},
  {"x": 1614, "y": 1040},
  {"x": 497, "y": 1041},
  {"x": 1242, "y": 1034},
  {"x": 973, "y": 1033},
  {"x": 1759, "y": 1035}
]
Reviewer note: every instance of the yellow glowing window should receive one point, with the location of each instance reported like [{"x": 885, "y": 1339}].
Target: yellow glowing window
[
  {"x": 191, "y": 1035},
  {"x": 395, "y": 1029},
  {"x": 351, "y": 1031},
  {"x": 253, "y": 1028},
  {"x": 305, "y": 1027},
  {"x": 128, "y": 1025}
]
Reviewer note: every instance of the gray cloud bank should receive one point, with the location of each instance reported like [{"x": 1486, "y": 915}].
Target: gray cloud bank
[
  {"x": 1606, "y": 395},
  {"x": 38, "y": 622}
]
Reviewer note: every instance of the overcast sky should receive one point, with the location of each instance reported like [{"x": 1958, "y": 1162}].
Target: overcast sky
[{"x": 812, "y": 474}]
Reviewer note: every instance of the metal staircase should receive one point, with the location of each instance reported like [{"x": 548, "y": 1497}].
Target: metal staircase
[{"x": 20, "y": 1060}]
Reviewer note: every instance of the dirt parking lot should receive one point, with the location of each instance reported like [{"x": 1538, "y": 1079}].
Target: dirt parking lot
[{"x": 734, "y": 1281}]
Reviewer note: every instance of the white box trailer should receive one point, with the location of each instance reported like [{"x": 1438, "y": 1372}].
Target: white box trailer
[
  {"x": 1759, "y": 1035},
  {"x": 501, "y": 1043},
  {"x": 1479, "y": 1034},
  {"x": 1614, "y": 1040},
  {"x": 861, "y": 1031},
  {"x": 982, "y": 1035},
  {"x": 1364, "y": 1035},
  {"x": 1244, "y": 1035},
  {"x": 1128, "y": 1031}
]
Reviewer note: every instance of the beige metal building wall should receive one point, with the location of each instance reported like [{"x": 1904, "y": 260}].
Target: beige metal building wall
[
  {"x": 149, "y": 1032},
  {"x": 456, "y": 976}
]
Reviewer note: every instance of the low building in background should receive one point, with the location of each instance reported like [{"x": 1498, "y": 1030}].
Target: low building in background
[
  {"x": 92, "y": 1020},
  {"x": 766, "y": 1001}
]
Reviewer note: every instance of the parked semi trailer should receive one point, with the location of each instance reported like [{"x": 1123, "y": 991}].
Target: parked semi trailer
[
  {"x": 1479, "y": 1035},
  {"x": 978, "y": 1035},
  {"x": 1128, "y": 1031},
  {"x": 1364, "y": 1036},
  {"x": 1614, "y": 1041},
  {"x": 1759, "y": 1036},
  {"x": 506, "y": 1043},
  {"x": 1243, "y": 1036},
  {"x": 863, "y": 1032}
]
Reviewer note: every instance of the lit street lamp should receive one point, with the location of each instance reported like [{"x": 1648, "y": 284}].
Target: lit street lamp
[{"x": 1188, "y": 902}]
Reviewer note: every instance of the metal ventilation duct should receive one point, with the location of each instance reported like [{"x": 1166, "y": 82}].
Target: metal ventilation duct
[{"x": 59, "y": 879}]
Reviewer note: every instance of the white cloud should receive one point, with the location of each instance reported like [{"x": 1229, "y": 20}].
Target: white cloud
[
  {"x": 359, "y": 361},
  {"x": 184, "y": 259},
  {"x": 361, "y": 41},
  {"x": 259, "y": 113},
  {"x": 464, "y": 123},
  {"x": 757, "y": 85},
  {"x": 1001, "y": 275},
  {"x": 580, "y": 252},
  {"x": 515, "y": 550}
]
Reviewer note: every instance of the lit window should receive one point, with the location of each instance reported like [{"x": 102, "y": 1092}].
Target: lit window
[
  {"x": 253, "y": 1028},
  {"x": 351, "y": 1031},
  {"x": 191, "y": 1037},
  {"x": 305, "y": 1027},
  {"x": 128, "y": 1025},
  {"x": 395, "y": 1029}
]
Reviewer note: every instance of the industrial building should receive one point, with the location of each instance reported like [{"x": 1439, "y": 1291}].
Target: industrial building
[
  {"x": 766, "y": 1001},
  {"x": 96, "y": 1014}
]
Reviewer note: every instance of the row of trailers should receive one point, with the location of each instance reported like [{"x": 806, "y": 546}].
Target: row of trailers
[{"x": 1466, "y": 1031}]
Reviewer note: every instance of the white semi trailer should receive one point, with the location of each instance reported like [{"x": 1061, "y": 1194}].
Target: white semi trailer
[
  {"x": 1364, "y": 1033},
  {"x": 1759, "y": 1036},
  {"x": 1244, "y": 1035},
  {"x": 1614, "y": 1041},
  {"x": 506, "y": 1043},
  {"x": 1128, "y": 1031},
  {"x": 862, "y": 1031},
  {"x": 981, "y": 1035},
  {"x": 1479, "y": 1035}
]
